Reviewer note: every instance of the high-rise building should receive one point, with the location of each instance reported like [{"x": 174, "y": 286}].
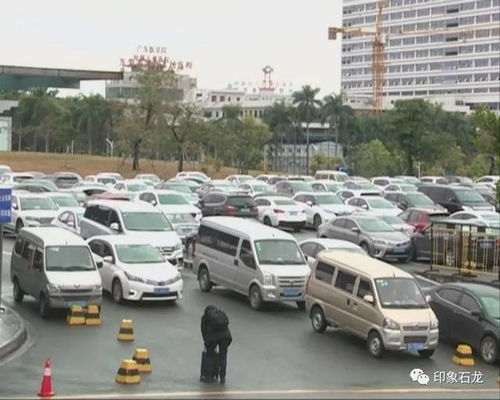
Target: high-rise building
[{"x": 454, "y": 59}]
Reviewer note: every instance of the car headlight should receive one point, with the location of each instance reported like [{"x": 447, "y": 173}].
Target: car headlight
[
  {"x": 380, "y": 241},
  {"x": 390, "y": 324},
  {"x": 97, "y": 287},
  {"x": 134, "y": 278},
  {"x": 268, "y": 279},
  {"x": 178, "y": 246},
  {"x": 435, "y": 324},
  {"x": 53, "y": 288}
]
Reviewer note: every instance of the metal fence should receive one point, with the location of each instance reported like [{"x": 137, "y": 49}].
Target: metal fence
[{"x": 465, "y": 249}]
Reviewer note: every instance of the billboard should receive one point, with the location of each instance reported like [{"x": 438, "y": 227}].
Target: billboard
[{"x": 5, "y": 133}]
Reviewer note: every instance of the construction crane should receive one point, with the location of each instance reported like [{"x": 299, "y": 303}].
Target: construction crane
[{"x": 378, "y": 46}]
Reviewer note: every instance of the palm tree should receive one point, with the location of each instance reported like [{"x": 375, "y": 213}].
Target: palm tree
[
  {"x": 307, "y": 105},
  {"x": 332, "y": 111},
  {"x": 280, "y": 120},
  {"x": 93, "y": 114}
]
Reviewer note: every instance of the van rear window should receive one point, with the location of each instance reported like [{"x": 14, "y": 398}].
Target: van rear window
[{"x": 239, "y": 201}]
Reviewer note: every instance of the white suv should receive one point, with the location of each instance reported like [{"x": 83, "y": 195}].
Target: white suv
[
  {"x": 139, "y": 220},
  {"x": 31, "y": 210}
]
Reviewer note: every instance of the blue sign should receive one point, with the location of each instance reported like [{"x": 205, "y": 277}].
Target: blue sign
[{"x": 5, "y": 204}]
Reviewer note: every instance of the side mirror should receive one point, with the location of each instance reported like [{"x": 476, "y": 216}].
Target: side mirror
[
  {"x": 108, "y": 259},
  {"x": 71, "y": 224},
  {"x": 476, "y": 314},
  {"x": 14, "y": 206},
  {"x": 309, "y": 203},
  {"x": 368, "y": 298},
  {"x": 311, "y": 260},
  {"x": 115, "y": 226},
  {"x": 355, "y": 229},
  {"x": 428, "y": 298},
  {"x": 364, "y": 207},
  {"x": 98, "y": 260},
  {"x": 154, "y": 202}
]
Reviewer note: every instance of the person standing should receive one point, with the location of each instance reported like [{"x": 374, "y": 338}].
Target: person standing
[{"x": 215, "y": 332}]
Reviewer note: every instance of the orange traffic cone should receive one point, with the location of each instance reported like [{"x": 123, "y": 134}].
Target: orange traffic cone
[{"x": 46, "y": 384}]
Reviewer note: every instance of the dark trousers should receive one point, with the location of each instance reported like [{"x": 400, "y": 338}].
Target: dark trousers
[{"x": 223, "y": 346}]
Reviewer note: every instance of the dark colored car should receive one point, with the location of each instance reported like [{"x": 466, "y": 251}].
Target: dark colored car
[
  {"x": 273, "y": 180},
  {"x": 469, "y": 313},
  {"x": 65, "y": 180},
  {"x": 291, "y": 188},
  {"x": 412, "y": 199},
  {"x": 238, "y": 204},
  {"x": 455, "y": 198},
  {"x": 421, "y": 217}
]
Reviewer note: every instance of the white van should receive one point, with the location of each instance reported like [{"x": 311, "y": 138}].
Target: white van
[
  {"x": 338, "y": 176},
  {"x": 56, "y": 267},
  {"x": 264, "y": 263}
]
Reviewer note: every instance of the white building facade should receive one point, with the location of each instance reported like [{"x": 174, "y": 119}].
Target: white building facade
[{"x": 453, "y": 60}]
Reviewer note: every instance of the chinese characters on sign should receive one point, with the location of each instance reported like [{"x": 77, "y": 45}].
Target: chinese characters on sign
[
  {"x": 448, "y": 377},
  {"x": 5, "y": 205},
  {"x": 147, "y": 57}
]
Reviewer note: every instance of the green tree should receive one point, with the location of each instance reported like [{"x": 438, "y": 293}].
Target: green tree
[
  {"x": 337, "y": 114},
  {"x": 279, "y": 118},
  {"x": 372, "y": 158},
  {"x": 488, "y": 136},
  {"x": 307, "y": 105}
]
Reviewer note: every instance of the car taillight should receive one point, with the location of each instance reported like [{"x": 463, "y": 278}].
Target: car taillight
[
  {"x": 254, "y": 210},
  {"x": 229, "y": 209},
  {"x": 278, "y": 211}
]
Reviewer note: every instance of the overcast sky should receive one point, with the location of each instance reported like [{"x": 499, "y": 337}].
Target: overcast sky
[{"x": 227, "y": 40}]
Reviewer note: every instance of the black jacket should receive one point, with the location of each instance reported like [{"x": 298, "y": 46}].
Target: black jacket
[{"x": 210, "y": 335}]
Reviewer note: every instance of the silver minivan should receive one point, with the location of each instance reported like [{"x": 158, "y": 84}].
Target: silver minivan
[
  {"x": 261, "y": 262},
  {"x": 56, "y": 267}
]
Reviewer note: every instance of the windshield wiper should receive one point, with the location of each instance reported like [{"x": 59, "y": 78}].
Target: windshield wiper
[{"x": 78, "y": 268}]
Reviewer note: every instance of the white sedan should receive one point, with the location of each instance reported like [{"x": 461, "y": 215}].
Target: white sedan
[
  {"x": 170, "y": 202},
  {"x": 311, "y": 247},
  {"x": 321, "y": 207},
  {"x": 489, "y": 219},
  {"x": 135, "y": 270},
  {"x": 69, "y": 219},
  {"x": 280, "y": 211},
  {"x": 374, "y": 205}
]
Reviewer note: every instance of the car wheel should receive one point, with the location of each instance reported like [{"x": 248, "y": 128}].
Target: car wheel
[
  {"x": 43, "y": 306},
  {"x": 267, "y": 221},
  {"x": 317, "y": 221},
  {"x": 318, "y": 320},
  {"x": 301, "y": 305},
  {"x": 255, "y": 297},
  {"x": 366, "y": 248},
  {"x": 17, "y": 291},
  {"x": 488, "y": 349},
  {"x": 117, "y": 291},
  {"x": 375, "y": 345},
  {"x": 204, "y": 280},
  {"x": 425, "y": 353},
  {"x": 19, "y": 226}
]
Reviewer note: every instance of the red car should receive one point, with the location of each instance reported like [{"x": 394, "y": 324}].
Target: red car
[
  {"x": 419, "y": 218},
  {"x": 108, "y": 196}
]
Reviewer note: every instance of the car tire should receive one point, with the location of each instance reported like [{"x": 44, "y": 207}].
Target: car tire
[
  {"x": 301, "y": 305},
  {"x": 318, "y": 320},
  {"x": 375, "y": 345},
  {"x": 366, "y": 248},
  {"x": 317, "y": 221},
  {"x": 204, "y": 280},
  {"x": 488, "y": 349},
  {"x": 425, "y": 353},
  {"x": 117, "y": 291},
  {"x": 19, "y": 226},
  {"x": 267, "y": 221},
  {"x": 297, "y": 228},
  {"x": 413, "y": 253},
  {"x": 255, "y": 297},
  {"x": 43, "y": 306},
  {"x": 17, "y": 291}
]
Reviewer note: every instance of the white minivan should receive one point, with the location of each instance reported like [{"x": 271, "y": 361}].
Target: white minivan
[
  {"x": 56, "y": 267},
  {"x": 261, "y": 262}
]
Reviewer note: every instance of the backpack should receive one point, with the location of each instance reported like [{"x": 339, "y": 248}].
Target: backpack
[{"x": 219, "y": 320}]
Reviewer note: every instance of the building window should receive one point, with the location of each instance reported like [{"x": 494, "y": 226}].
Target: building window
[
  {"x": 424, "y": 12},
  {"x": 482, "y": 62},
  {"x": 222, "y": 98},
  {"x": 422, "y": 39},
  {"x": 482, "y": 33},
  {"x": 482, "y": 19},
  {"x": 483, "y": 4},
  {"x": 217, "y": 114},
  {"x": 214, "y": 99},
  {"x": 466, "y": 21}
]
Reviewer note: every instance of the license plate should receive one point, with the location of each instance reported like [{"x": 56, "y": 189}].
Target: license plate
[
  {"x": 77, "y": 303},
  {"x": 399, "y": 250},
  {"x": 415, "y": 346},
  {"x": 162, "y": 290},
  {"x": 290, "y": 292},
  {"x": 293, "y": 213},
  {"x": 245, "y": 209},
  {"x": 186, "y": 230}
]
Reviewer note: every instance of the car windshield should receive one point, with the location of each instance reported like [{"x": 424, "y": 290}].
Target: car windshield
[
  {"x": 69, "y": 258},
  {"x": 299, "y": 186},
  {"x": 278, "y": 252},
  {"x": 469, "y": 195},
  {"x": 245, "y": 178},
  {"x": 328, "y": 199},
  {"x": 399, "y": 293},
  {"x": 180, "y": 218},
  {"x": 239, "y": 201},
  {"x": 44, "y": 182},
  {"x": 197, "y": 175},
  {"x": 374, "y": 225},
  {"x": 380, "y": 203},
  {"x": 332, "y": 187},
  {"x": 492, "y": 306},
  {"x": 136, "y": 187},
  {"x": 393, "y": 220},
  {"x": 138, "y": 254},
  {"x": 152, "y": 178},
  {"x": 107, "y": 181},
  {"x": 261, "y": 188},
  {"x": 408, "y": 188},
  {"x": 366, "y": 186},
  {"x": 22, "y": 178},
  {"x": 419, "y": 199},
  {"x": 179, "y": 188},
  {"x": 65, "y": 201},
  {"x": 284, "y": 202},
  {"x": 146, "y": 221},
  {"x": 166, "y": 199},
  {"x": 37, "y": 203}
]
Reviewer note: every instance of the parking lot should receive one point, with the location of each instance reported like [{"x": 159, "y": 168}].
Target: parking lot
[{"x": 274, "y": 351}]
